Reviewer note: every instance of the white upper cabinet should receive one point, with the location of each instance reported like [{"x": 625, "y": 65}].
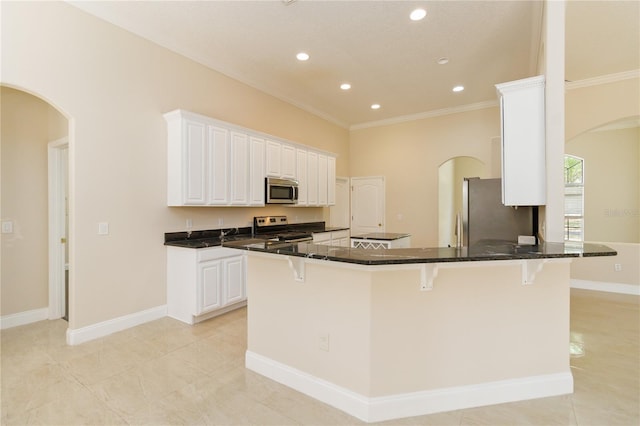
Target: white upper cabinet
[
  {"x": 312, "y": 178},
  {"x": 331, "y": 180},
  {"x": 281, "y": 160},
  {"x": 274, "y": 159},
  {"x": 301, "y": 174},
  {"x": 186, "y": 162},
  {"x": 213, "y": 163},
  {"x": 523, "y": 142},
  {"x": 256, "y": 171},
  {"x": 288, "y": 161},
  {"x": 239, "y": 170},
  {"x": 322, "y": 179},
  {"x": 217, "y": 166}
]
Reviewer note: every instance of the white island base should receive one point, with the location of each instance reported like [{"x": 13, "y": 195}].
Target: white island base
[{"x": 377, "y": 343}]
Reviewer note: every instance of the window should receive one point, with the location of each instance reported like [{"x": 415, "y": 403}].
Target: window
[{"x": 573, "y": 198}]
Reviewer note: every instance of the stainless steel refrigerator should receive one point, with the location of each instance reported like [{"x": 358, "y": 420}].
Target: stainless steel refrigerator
[{"x": 486, "y": 219}]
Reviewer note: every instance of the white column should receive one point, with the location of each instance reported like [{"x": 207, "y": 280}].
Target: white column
[{"x": 554, "y": 33}]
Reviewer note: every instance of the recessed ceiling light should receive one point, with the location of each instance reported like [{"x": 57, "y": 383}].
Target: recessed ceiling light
[
  {"x": 345, "y": 86},
  {"x": 375, "y": 106},
  {"x": 417, "y": 14},
  {"x": 302, "y": 56},
  {"x": 458, "y": 88},
  {"x": 443, "y": 60}
]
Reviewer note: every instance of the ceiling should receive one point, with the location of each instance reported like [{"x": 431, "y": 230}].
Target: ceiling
[{"x": 388, "y": 59}]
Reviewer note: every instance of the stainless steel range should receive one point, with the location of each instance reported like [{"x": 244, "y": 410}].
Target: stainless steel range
[{"x": 277, "y": 228}]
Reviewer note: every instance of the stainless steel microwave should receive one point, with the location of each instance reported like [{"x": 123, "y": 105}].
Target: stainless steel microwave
[{"x": 281, "y": 191}]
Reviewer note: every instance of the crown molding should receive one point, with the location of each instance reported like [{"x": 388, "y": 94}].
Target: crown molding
[
  {"x": 603, "y": 79},
  {"x": 423, "y": 115}
]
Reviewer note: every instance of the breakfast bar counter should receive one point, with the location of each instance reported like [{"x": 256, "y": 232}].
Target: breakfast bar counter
[{"x": 385, "y": 334}]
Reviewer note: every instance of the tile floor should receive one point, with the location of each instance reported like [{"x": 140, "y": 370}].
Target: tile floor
[{"x": 168, "y": 373}]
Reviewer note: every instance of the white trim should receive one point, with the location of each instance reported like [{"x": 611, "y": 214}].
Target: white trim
[
  {"x": 22, "y": 318},
  {"x": 101, "y": 329},
  {"x": 415, "y": 403},
  {"x": 427, "y": 114},
  {"x": 603, "y": 79},
  {"x": 605, "y": 286}
]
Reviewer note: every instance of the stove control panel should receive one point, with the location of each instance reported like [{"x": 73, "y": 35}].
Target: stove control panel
[{"x": 261, "y": 221}]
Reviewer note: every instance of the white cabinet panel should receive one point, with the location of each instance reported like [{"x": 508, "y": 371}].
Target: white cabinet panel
[
  {"x": 209, "y": 289},
  {"x": 234, "y": 288},
  {"x": 523, "y": 142},
  {"x": 218, "y": 166},
  {"x": 239, "y": 171},
  {"x": 288, "y": 161},
  {"x": 322, "y": 179},
  {"x": 331, "y": 180},
  {"x": 257, "y": 173},
  {"x": 274, "y": 158},
  {"x": 312, "y": 178},
  {"x": 301, "y": 174}
]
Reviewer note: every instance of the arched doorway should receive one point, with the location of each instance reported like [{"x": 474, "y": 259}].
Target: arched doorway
[{"x": 29, "y": 125}]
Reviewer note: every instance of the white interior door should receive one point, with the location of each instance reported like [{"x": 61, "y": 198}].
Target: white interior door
[
  {"x": 339, "y": 213},
  {"x": 58, "y": 153},
  {"x": 367, "y": 205}
]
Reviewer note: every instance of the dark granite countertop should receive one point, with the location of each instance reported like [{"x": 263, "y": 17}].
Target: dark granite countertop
[
  {"x": 483, "y": 252},
  {"x": 382, "y": 236},
  {"x": 212, "y": 237}
]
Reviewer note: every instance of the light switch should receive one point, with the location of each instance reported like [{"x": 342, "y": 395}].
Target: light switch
[
  {"x": 103, "y": 228},
  {"x": 7, "y": 227}
]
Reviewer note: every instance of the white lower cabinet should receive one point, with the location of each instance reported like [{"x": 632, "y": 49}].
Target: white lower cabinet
[
  {"x": 202, "y": 283},
  {"x": 332, "y": 238}
]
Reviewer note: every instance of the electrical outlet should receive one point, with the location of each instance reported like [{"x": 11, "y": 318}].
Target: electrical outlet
[
  {"x": 617, "y": 267},
  {"x": 7, "y": 227},
  {"x": 220, "y": 221},
  {"x": 103, "y": 228},
  {"x": 189, "y": 223},
  {"x": 323, "y": 343}
]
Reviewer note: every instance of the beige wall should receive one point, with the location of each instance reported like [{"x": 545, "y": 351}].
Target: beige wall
[
  {"x": 612, "y": 183},
  {"x": 28, "y": 125},
  {"x": 114, "y": 87},
  {"x": 409, "y": 155},
  {"x": 590, "y": 106}
]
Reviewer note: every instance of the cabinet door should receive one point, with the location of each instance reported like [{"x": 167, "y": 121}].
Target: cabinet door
[
  {"x": 239, "y": 169},
  {"x": 523, "y": 142},
  {"x": 234, "y": 280},
  {"x": 194, "y": 170},
  {"x": 209, "y": 292},
  {"x": 288, "y": 161},
  {"x": 273, "y": 157},
  {"x": 256, "y": 171},
  {"x": 312, "y": 178},
  {"x": 331, "y": 180},
  {"x": 322, "y": 179},
  {"x": 218, "y": 166},
  {"x": 301, "y": 174}
]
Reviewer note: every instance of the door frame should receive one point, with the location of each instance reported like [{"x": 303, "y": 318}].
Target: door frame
[{"x": 58, "y": 176}]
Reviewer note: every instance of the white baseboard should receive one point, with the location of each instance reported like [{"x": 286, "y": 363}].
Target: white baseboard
[
  {"x": 95, "y": 331},
  {"x": 415, "y": 403},
  {"x": 22, "y": 318},
  {"x": 604, "y": 286}
]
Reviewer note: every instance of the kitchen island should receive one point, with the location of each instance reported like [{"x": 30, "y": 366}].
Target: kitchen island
[{"x": 384, "y": 334}]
